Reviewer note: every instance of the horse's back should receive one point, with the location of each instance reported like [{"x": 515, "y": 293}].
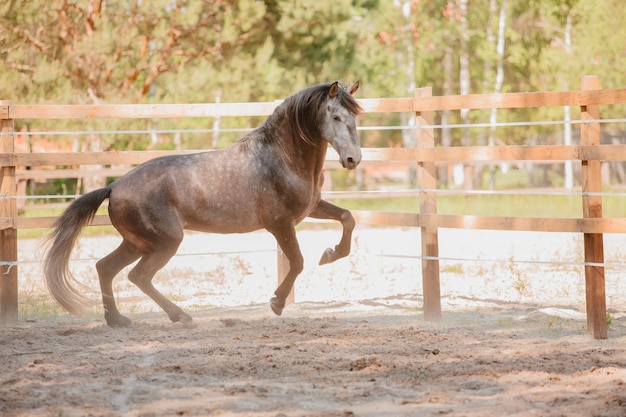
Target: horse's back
[
  {"x": 242, "y": 188},
  {"x": 209, "y": 191}
]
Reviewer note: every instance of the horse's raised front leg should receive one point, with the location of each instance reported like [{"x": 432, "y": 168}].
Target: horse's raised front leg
[
  {"x": 286, "y": 237},
  {"x": 326, "y": 210}
]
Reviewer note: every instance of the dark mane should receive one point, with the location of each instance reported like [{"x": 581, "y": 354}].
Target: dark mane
[
  {"x": 301, "y": 111},
  {"x": 297, "y": 118},
  {"x": 302, "y": 121}
]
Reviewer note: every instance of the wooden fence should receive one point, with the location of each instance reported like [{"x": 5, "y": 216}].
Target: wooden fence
[{"x": 425, "y": 155}]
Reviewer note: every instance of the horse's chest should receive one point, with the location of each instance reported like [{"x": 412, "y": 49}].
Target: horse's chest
[
  {"x": 298, "y": 197},
  {"x": 305, "y": 197}
]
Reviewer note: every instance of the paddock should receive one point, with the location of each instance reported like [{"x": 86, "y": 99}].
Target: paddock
[
  {"x": 354, "y": 344},
  {"x": 425, "y": 154},
  {"x": 432, "y": 314}
]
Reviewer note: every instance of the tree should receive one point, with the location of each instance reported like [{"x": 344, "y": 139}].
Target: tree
[
  {"x": 66, "y": 51},
  {"x": 500, "y": 45},
  {"x": 116, "y": 50}
]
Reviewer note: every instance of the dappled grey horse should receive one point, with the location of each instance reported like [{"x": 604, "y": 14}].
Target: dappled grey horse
[{"x": 271, "y": 178}]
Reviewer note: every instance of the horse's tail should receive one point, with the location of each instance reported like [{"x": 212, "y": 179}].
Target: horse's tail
[{"x": 60, "y": 281}]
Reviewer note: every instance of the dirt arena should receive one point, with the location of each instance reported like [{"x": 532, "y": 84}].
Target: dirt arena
[{"x": 512, "y": 340}]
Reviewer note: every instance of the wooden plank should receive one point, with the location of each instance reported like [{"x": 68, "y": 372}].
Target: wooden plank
[
  {"x": 4, "y": 109},
  {"x": 118, "y": 171},
  {"x": 520, "y": 100},
  {"x": 141, "y": 111},
  {"x": 8, "y": 276},
  {"x": 491, "y": 101},
  {"x": 389, "y": 154},
  {"x": 386, "y": 218},
  {"x": 45, "y": 222},
  {"x": 138, "y": 157},
  {"x": 591, "y": 179},
  {"x": 427, "y": 180},
  {"x": 360, "y": 195},
  {"x": 386, "y": 105},
  {"x": 8, "y": 235},
  {"x": 524, "y": 153},
  {"x": 92, "y": 158},
  {"x": 370, "y": 105},
  {"x": 597, "y": 97},
  {"x": 534, "y": 224},
  {"x": 45, "y": 174},
  {"x": 381, "y": 218},
  {"x": 370, "y": 155},
  {"x": 504, "y": 223},
  {"x": 6, "y": 223}
]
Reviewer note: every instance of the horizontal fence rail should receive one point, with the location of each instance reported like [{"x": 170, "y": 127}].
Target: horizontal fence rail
[
  {"x": 377, "y": 105},
  {"x": 370, "y": 155},
  {"x": 425, "y": 157}
]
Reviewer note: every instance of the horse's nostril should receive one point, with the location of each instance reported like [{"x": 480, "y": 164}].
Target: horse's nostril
[{"x": 350, "y": 163}]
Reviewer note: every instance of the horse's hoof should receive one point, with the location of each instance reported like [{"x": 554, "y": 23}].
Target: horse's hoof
[
  {"x": 118, "y": 321},
  {"x": 188, "y": 324},
  {"x": 278, "y": 305},
  {"x": 181, "y": 317},
  {"x": 328, "y": 256}
]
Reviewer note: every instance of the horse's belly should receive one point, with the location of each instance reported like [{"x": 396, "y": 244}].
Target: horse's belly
[
  {"x": 222, "y": 228},
  {"x": 224, "y": 221}
]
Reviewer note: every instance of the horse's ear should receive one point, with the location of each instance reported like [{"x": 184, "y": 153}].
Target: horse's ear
[
  {"x": 354, "y": 87},
  {"x": 334, "y": 89}
]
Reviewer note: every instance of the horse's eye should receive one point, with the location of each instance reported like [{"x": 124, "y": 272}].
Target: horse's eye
[{"x": 337, "y": 118}]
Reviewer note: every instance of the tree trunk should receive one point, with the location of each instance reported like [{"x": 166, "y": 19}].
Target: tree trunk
[
  {"x": 464, "y": 83},
  {"x": 446, "y": 134},
  {"x": 567, "y": 127},
  {"x": 493, "y": 118},
  {"x": 409, "y": 135}
]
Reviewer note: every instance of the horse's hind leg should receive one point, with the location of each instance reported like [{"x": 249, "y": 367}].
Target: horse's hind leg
[
  {"x": 151, "y": 262},
  {"x": 326, "y": 210},
  {"x": 108, "y": 267}
]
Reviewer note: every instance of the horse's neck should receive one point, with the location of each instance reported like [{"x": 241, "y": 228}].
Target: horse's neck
[
  {"x": 308, "y": 159},
  {"x": 322, "y": 147},
  {"x": 302, "y": 157}
]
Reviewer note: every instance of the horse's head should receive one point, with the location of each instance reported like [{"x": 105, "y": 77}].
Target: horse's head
[{"x": 338, "y": 125}]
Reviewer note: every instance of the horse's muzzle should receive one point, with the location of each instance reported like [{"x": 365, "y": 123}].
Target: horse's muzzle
[{"x": 350, "y": 162}]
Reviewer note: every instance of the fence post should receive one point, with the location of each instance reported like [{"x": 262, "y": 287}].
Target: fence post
[
  {"x": 591, "y": 179},
  {"x": 8, "y": 209},
  {"x": 427, "y": 180}
]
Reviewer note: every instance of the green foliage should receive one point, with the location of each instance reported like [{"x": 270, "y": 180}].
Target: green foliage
[
  {"x": 129, "y": 51},
  {"x": 189, "y": 50},
  {"x": 175, "y": 51}
]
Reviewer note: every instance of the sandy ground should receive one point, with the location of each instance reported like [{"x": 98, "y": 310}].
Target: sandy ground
[{"x": 512, "y": 340}]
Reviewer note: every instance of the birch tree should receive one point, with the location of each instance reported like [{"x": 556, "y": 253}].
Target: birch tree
[
  {"x": 464, "y": 82},
  {"x": 407, "y": 57},
  {"x": 497, "y": 88}
]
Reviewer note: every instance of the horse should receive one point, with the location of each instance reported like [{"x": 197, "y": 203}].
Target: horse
[{"x": 270, "y": 179}]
